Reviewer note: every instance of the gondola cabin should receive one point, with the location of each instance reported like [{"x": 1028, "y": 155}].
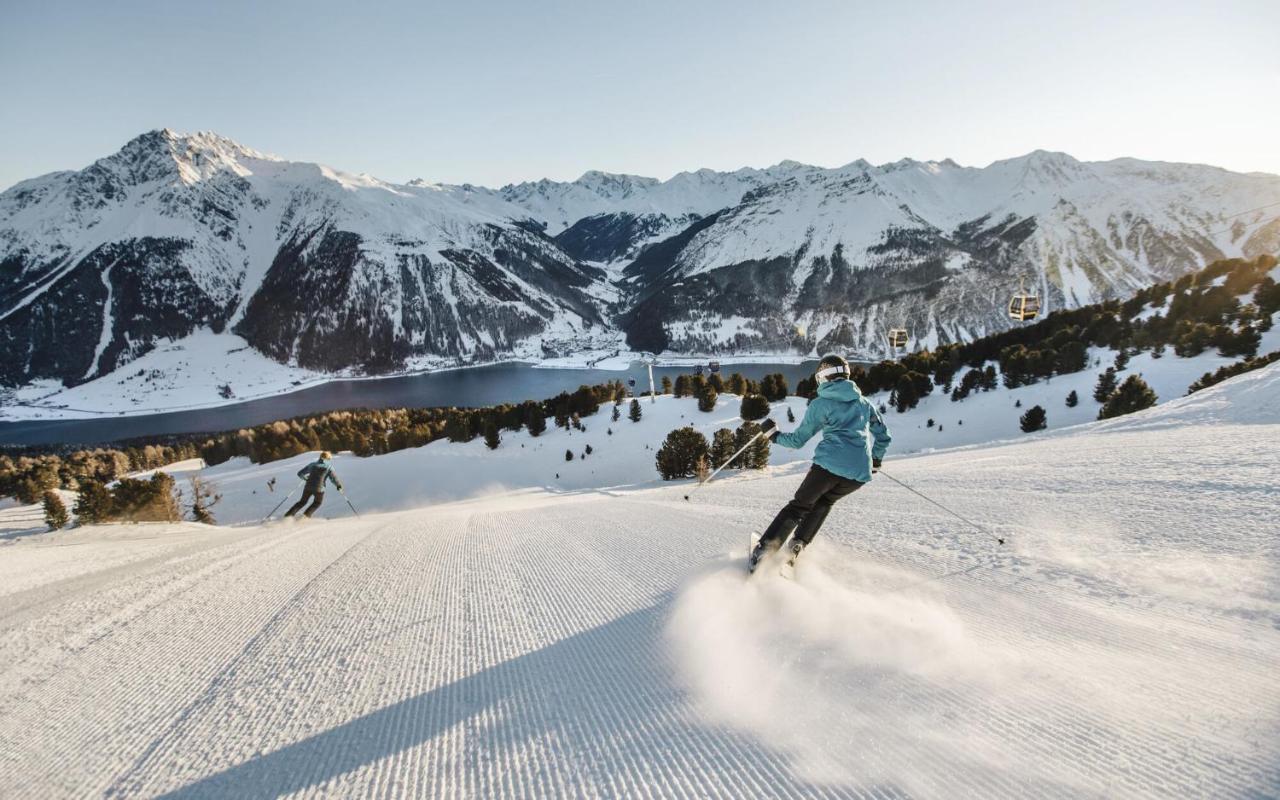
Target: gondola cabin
[
  {"x": 697, "y": 369},
  {"x": 1024, "y": 307},
  {"x": 714, "y": 366},
  {"x": 898, "y": 338}
]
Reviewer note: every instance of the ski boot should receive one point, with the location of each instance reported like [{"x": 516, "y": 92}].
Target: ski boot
[
  {"x": 758, "y": 554},
  {"x": 794, "y": 550}
]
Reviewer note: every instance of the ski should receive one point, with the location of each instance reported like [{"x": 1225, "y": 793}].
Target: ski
[{"x": 752, "y": 538}]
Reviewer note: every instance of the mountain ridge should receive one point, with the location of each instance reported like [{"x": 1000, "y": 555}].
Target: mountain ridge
[{"x": 331, "y": 270}]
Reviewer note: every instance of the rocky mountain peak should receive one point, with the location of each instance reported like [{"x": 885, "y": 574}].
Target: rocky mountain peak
[
  {"x": 178, "y": 232},
  {"x": 610, "y": 183}
]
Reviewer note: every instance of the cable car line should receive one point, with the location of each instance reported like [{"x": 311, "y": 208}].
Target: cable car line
[{"x": 1241, "y": 214}]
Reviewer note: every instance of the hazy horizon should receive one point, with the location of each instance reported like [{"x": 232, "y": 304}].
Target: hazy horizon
[{"x": 509, "y": 92}]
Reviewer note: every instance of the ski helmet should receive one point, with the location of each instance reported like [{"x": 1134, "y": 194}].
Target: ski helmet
[{"x": 831, "y": 368}]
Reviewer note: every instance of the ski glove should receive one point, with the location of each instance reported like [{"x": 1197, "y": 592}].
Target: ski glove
[{"x": 768, "y": 425}]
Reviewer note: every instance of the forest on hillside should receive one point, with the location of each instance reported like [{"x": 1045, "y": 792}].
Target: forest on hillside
[{"x": 1199, "y": 311}]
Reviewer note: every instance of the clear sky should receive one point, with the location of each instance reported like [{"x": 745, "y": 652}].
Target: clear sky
[{"x": 494, "y": 92}]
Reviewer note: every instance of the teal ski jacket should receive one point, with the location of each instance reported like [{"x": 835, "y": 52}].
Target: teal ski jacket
[
  {"x": 316, "y": 473},
  {"x": 853, "y": 432}
]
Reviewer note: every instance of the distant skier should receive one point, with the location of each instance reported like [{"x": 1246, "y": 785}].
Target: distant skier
[
  {"x": 854, "y": 440},
  {"x": 315, "y": 474}
]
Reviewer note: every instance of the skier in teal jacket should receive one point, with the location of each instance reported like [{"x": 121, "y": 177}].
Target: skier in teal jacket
[
  {"x": 315, "y": 474},
  {"x": 854, "y": 440}
]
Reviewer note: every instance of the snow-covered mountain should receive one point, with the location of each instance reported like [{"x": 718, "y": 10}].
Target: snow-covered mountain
[
  {"x": 309, "y": 265},
  {"x": 329, "y": 271},
  {"x": 829, "y": 259},
  {"x": 609, "y": 218},
  {"x": 801, "y": 258}
]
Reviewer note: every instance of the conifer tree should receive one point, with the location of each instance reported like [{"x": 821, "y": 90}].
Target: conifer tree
[
  {"x": 722, "y": 446},
  {"x": 1034, "y": 420},
  {"x": 780, "y": 388},
  {"x": 1267, "y": 297},
  {"x": 28, "y": 491},
  {"x": 680, "y": 453},
  {"x": 55, "y": 511},
  {"x": 93, "y": 503},
  {"x": 153, "y": 500},
  {"x": 904, "y": 394},
  {"x": 757, "y": 455},
  {"x": 707, "y": 399},
  {"x": 1105, "y": 386},
  {"x": 807, "y": 388},
  {"x": 457, "y": 428},
  {"x": 1073, "y": 399},
  {"x": 1073, "y": 356},
  {"x": 767, "y": 387},
  {"x": 1133, "y": 395},
  {"x": 635, "y": 412},
  {"x": 491, "y": 437},
  {"x": 753, "y": 407},
  {"x": 1245, "y": 343},
  {"x": 536, "y": 423},
  {"x": 666, "y": 384},
  {"x": 989, "y": 378}
]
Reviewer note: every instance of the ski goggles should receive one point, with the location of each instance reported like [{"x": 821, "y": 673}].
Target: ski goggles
[{"x": 830, "y": 374}]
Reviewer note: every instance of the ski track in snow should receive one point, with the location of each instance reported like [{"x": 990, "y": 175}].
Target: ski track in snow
[
  {"x": 607, "y": 643},
  {"x": 108, "y": 317}
]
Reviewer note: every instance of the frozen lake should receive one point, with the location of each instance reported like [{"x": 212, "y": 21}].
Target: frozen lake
[{"x": 478, "y": 386}]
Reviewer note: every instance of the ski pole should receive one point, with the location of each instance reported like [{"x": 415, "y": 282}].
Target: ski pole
[
  {"x": 282, "y": 502},
  {"x": 725, "y": 464},
  {"x": 999, "y": 539},
  {"x": 348, "y": 499}
]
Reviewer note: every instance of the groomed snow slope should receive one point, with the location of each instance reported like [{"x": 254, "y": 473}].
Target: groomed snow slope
[{"x": 604, "y": 643}]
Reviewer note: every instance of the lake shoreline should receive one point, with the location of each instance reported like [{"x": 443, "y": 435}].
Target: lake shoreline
[
  {"x": 476, "y": 386},
  {"x": 29, "y": 411}
]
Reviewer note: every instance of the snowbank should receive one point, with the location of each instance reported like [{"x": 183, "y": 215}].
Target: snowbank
[{"x": 1249, "y": 399}]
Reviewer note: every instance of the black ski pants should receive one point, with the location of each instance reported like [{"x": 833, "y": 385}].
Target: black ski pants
[
  {"x": 807, "y": 511},
  {"x": 317, "y": 497}
]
